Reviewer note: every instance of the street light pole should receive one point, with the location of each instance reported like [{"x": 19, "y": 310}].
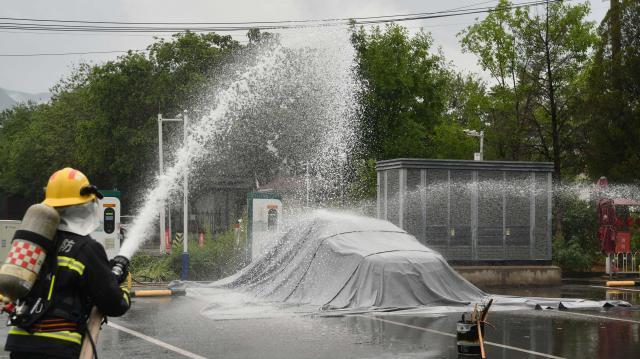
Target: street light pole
[
  {"x": 481, "y": 145},
  {"x": 185, "y": 249},
  {"x": 160, "y": 173},
  {"x": 474, "y": 133}
]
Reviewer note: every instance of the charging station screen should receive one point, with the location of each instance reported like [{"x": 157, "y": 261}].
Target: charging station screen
[{"x": 109, "y": 220}]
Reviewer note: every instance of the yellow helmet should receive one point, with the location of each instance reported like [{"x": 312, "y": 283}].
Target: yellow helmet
[{"x": 68, "y": 187}]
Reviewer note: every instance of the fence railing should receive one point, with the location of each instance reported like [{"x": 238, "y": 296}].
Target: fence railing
[{"x": 623, "y": 263}]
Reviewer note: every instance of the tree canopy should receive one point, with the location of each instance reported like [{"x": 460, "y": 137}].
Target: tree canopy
[
  {"x": 611, "y": 105},
  {"x": 404, "y": 91},
  {"x": 102, "y": 118},
  {"x": 536, "y": 60}
]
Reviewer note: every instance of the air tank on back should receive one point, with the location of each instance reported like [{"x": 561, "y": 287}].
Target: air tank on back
[{"x": 28, "y": 251}]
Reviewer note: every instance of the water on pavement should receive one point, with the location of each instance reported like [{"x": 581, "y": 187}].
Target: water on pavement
[{"x": 603, "y": 333}]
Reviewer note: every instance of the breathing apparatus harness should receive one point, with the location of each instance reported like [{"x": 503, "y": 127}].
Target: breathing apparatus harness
[{"x": 30, "y": 309}]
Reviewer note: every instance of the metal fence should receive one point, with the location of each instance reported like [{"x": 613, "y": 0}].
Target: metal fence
[
  {"x": 623, "y": 263},
  {"x": 471, "y": 210}
]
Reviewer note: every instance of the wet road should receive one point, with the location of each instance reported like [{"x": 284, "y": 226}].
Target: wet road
[{"x": 173, "y": 328}]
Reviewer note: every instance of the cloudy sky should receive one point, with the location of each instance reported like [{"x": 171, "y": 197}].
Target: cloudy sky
[{"x": 36, "y": 74}]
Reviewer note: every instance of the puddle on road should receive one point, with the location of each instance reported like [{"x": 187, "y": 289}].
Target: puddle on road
[
  {"x": 552, "y": 332},
  {"x": 227, "y": 304}
]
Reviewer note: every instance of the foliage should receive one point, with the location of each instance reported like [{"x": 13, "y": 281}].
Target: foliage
[
  {"x": 570, "y": 255},
  {"x": 16, "y": 150},
  {"x": 148, "y": 268},
  {"x": 364, "y": 184},
  {"x": 466, "y": 104},
  {"x": 184, "y": 66},
  {"x": 535, "y": 61},
  {"x": 404, "y": 91},
  {"x": 580, "y": 222},
  {"x": 219, "y": 257},
  {"x": 102, "y": 118},
  {"x": 578, "y": 249},
  {"x": 407, "y": 89},
  {"x": 612, "y": 103}
]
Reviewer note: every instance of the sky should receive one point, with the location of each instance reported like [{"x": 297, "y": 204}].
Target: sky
[{"x": 38, "y": 74}]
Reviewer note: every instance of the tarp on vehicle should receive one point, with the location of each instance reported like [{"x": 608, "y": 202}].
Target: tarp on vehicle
[
  {"x": 345, "y": 263},
  {"x": 338, "y": 260}
]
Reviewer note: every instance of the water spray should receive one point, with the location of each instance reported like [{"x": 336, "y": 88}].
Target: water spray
[
  {"x": 262, "y": 86},
  {"x": 191, "y": 151}
]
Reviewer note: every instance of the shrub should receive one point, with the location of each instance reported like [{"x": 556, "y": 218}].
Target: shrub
[
  {"x": 571, "y": 256},
  {"x": 145, "y": 267},
  {"x": 578, "y": 247},
  {"x": 220, "y": 256}
]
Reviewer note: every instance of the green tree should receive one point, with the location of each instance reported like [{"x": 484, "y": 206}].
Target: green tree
[
  {"x": 466, "y": 108},
  {"x": 493, "y": 41},
  {"x": 20, "y": 154},
  {"x": 185, "y": 66},
  {"x": 536, "y": 60},
  {"x": 557, "y": 45},
  {"x": 404, "y": 95},
  {"x": 102, "y": 118},
  {"x": 612, "y": 92}
]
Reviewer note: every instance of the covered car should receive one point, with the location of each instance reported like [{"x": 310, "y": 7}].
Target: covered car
[{"x": 337, "y": 260}]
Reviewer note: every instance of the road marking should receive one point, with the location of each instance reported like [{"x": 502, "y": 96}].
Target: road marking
[
  {"x": 601, "y": 317},
  {"x": 155, "y": 341},
  {"x": 453, "y": 335},
  {"x": 616, "y": 288}
]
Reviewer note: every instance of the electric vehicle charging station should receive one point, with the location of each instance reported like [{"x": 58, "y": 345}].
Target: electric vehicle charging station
[
  {"x": 265, "y": 216},
  {"x": 108, "y": 233}
]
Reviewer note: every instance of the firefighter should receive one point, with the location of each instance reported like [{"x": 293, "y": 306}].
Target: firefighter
[{"x": 79, "y": 277}]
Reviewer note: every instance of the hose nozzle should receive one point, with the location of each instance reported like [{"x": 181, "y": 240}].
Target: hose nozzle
[{"x": 120, "y": 267}]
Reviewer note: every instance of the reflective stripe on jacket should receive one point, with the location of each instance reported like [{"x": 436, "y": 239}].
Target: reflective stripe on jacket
[{"x": 73, "y": 337}]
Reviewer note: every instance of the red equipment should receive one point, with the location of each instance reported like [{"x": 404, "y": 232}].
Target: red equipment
[
  {"x": 615, "y": 222},
  {"x": 607, "y": 219}
]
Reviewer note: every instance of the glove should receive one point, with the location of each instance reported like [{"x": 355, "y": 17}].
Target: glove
[{"x": 120, "y": 268}]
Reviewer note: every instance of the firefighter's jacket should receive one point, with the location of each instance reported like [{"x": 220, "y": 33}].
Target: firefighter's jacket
[{"x": 81, "y": 280}]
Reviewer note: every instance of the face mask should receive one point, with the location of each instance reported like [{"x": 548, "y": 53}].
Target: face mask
[{"x": 81, "y": 219}]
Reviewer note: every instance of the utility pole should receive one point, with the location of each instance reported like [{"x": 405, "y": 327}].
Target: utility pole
[
  {"x": 160, "y": 174},
  {"x": 184, "y": 275}
]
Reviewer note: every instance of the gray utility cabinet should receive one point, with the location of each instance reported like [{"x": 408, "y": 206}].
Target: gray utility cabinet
[{"x": 471, "y": 211}]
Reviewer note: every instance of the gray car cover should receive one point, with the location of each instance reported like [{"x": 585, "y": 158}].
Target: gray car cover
[
  {"x": 345, "y": 263},
  {"x": 337, "y": 260}
]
